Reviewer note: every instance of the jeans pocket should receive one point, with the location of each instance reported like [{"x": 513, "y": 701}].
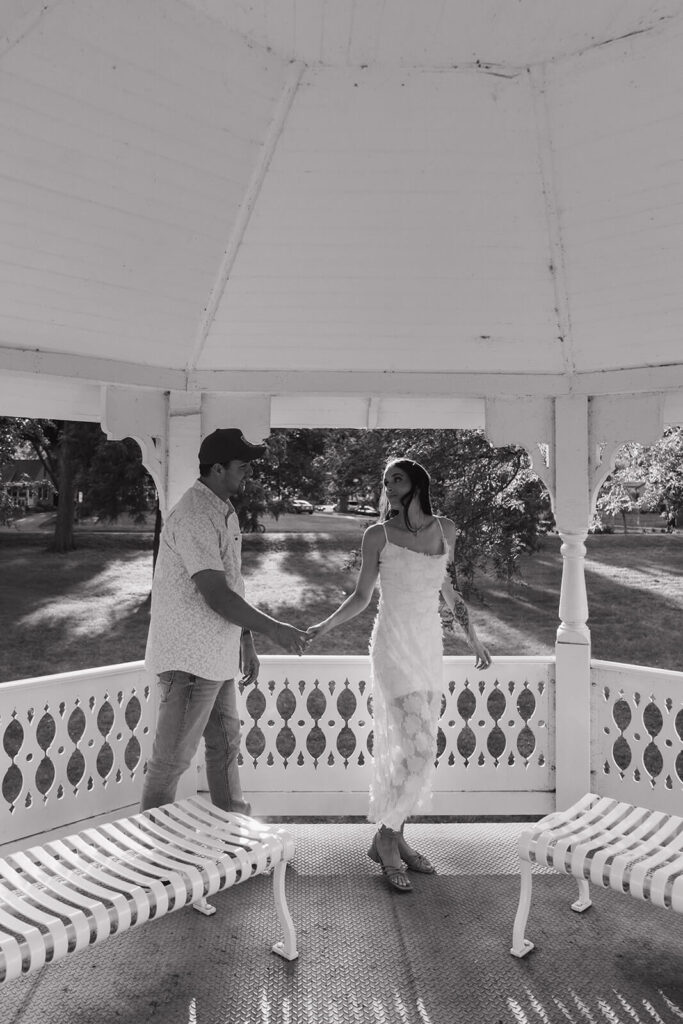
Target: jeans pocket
[{"x": 165, "y": 685}]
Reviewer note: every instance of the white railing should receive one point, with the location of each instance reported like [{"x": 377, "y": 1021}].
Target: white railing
[
  {"x": 75, "y": 745},
  {"x": 307, "y": 738},
  {"x": 637, "y": 740}
]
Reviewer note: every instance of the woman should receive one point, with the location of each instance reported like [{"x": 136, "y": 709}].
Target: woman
[{"x": 409, "y": 549}]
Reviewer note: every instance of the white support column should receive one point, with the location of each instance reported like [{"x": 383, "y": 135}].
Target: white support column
[
  {"x": 572, "y": 649},
  {"x": 555, "y": 434},
  {"x": 184, "y": 437},
  {"x": 572, "y": 513}
]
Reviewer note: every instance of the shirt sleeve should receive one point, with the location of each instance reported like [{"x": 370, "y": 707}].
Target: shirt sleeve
[{"x": 197, "y": 544}]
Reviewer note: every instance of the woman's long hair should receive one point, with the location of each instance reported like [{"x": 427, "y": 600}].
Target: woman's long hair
[{"x": 419, "y": 488}]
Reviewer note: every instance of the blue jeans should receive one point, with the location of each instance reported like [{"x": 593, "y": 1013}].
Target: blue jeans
[{"x": 191, "y": 707}]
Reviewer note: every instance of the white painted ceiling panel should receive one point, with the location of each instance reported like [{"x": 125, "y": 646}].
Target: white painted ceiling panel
[
  {"x": 124, "y": 158},
  {"x": 457, "y": 187},
  {"x": 436, "y": 33},
  {"x": 401, "y": 222},
  {"x": 618, "y": 131}
]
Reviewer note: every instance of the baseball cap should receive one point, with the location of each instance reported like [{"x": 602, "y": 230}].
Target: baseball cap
[{"x": 228, "y": 444}]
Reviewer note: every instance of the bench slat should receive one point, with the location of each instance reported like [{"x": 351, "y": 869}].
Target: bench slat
[
  {"x": 134, "y": 902},
  {"x": 186, "y": 851},
  {"x": 49, "y": 872}
]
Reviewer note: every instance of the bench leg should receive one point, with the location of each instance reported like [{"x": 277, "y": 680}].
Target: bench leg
[
  {"x": 287, "y": 947},
  {"x": 584, "y": 900},
  {"x": 203, "y": 907},
  {"x": 520, "y": 945}
]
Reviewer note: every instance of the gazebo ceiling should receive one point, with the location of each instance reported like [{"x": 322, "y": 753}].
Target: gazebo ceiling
[
  {"x": 438, "y": 34},
  {"x": 450, "y": 197}
]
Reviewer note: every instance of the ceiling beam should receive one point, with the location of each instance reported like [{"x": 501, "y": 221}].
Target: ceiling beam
[
  {"x": 548, "y": 174},
  {"x": 341, "y": 382},
  {"x": 90, "y": 368},
  {"x": 246, "y": 209}
]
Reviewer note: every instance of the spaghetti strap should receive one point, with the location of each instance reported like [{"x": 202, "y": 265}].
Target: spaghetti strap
[{"x": 443, "y": 536}]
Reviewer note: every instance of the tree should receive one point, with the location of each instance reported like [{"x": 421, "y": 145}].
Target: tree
[
  {"x": 500, "y": 507},
  {"x": 617, "y": 495},
  {"x": 78, "y": 457},
  {"x": 658, "y": 471},
  {"x": 114, "y": 481},
  {"x": 9, "y": 510},
  {"x": 354, "y": 461},
  {"x": 664, "y": 472},
  {"x": 51, "y": 442}
]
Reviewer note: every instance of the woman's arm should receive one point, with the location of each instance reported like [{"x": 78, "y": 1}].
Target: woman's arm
[
  {"x": 355, "y": 603},
  {"x": 457, "y": 604}
]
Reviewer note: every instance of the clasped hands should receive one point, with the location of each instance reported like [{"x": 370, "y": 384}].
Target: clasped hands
[
  {"x": 308, "y": 637},
  {"x": 293, "y": 640}
]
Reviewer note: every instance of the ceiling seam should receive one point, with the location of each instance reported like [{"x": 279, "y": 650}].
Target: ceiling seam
[
  {"x": 557, "y": 263},
  {"x": 253, "y": 189},
  {"x": 25, "y": 25}
]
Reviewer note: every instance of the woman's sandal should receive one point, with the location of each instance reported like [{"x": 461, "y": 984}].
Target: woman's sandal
[
  {"x": 391, "y": 874},
  {"x": 418, "y": 862},
  {"x": 415, "y": 861}
]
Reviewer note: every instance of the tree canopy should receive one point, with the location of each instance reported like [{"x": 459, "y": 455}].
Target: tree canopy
[
  {"x": 645, "y": 479},
  {"x": 499, "y": 506}
]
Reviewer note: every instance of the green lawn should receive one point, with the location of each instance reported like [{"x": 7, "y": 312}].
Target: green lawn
[{"x": 90, "y": 608}]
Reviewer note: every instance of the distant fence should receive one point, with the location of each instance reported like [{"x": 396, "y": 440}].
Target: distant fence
[{"x": 636, "y": 522}]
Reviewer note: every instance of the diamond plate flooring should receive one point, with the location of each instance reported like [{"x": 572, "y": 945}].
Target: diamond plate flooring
[{"x": 367, "y": 955}]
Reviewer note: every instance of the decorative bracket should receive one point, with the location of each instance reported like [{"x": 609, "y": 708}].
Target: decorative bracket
[
  {"x": 613, "y": 420},
  {"x": 529, "y": 423},
  {"x": 142, "y": 415}
]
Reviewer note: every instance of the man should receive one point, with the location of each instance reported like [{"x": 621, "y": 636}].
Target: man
[{"x": 200, "y": 629}]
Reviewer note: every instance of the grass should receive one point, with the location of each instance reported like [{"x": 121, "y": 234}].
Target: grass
[{"x": 90, "y": 608}]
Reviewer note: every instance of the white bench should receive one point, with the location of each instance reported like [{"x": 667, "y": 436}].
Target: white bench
[
  {"x": 617, "y": 845},
  {"x": 70, "y": 893}
]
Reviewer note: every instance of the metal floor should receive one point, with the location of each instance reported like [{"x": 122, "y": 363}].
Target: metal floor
[{"x": 367, "y": 955}]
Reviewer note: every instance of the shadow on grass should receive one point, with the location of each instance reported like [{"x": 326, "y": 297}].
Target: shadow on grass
[{"x": 633, "y": 583}]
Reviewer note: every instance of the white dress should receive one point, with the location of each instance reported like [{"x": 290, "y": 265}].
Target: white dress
[{"x": 406, "y": 657}]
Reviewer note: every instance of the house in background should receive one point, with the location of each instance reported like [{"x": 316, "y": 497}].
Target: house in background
[{"x": 27, "y": 483}]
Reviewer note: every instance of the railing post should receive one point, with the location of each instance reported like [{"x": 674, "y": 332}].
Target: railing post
[{"x": 572, "y": 679}]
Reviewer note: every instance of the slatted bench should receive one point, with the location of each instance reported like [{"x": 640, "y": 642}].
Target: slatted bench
[
  {"x": 617, "y": 845},
  {"x": 70, "y": 893}
]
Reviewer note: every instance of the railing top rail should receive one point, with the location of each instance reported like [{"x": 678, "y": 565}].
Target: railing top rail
[
  {"x": 641, "y": 670},
  {"x": 125, "y": 668},
  {"x": 266, "y": 659},
  {"x": 362, "y": 659}
]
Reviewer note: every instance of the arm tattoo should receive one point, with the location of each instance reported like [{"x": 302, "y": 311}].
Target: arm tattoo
[
  {"x": 460, "y": 610},
  {"x": 461, "y": 613}
]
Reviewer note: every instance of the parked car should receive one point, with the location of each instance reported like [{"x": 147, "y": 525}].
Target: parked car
[
  {"x": 367, "y": 510},
  {"x": 326, "y": 508},
  {"x": 301, "y": 505}
]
